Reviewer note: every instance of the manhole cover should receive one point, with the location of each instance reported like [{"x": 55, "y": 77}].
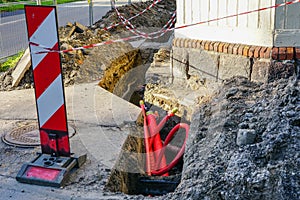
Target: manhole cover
[{"x": 27, "y": 136}]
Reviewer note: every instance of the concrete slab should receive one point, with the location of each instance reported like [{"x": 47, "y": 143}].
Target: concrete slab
[
  {"x": 100, "y": 118},
  {"x": 22, "y": 66}
]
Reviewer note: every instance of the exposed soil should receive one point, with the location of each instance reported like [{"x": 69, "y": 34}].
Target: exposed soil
[{"x": 77, "y": 35}]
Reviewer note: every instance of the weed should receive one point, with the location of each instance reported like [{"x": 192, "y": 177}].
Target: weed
[{"x": 11, "y": 62}]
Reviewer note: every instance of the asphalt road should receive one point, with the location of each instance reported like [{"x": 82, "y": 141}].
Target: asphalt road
[{"x": 13, "y": 33}]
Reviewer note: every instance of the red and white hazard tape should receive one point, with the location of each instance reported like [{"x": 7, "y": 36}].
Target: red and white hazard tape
[
  {"x": 138, "y": 14},
  {"x": 242, "y": 13},
  {"x": 166, "y": 30},
  {"x": 129, "y": 26}
]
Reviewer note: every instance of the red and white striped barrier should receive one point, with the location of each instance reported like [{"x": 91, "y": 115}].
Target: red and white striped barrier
[
  {"x": 46, "y": 49},
  {"x": 49, "y": 92}
]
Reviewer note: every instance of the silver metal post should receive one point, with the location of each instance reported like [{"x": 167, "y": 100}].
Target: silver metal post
[{"x": 91, "y": 16}]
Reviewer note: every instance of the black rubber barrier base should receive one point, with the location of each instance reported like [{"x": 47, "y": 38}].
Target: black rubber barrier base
[{"x": 47, "y": 170}]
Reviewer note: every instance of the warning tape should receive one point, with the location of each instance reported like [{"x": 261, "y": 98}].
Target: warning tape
[
  {"x": 166, "y": 30},
  {"x": 138, "y": 14},
  {"x": 242, "y": 13},
  {"x": 158, "y": 34},
  {"x": 129, "y": 26}
]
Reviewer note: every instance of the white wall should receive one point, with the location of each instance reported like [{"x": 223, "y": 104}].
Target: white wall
[{"x": 270, "y": 27}]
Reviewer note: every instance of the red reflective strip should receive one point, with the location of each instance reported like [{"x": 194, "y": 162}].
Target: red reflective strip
[
  {"x": 42, "y": 173},
  {"x": 35, "y": 17},
  {"x": 46, "y": 72}
]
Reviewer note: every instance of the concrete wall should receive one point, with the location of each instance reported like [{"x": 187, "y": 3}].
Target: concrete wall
[{"x": 280, "y": 27}]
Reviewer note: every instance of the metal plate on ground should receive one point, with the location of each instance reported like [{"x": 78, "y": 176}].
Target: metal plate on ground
[{"x": 27, "y": 135}]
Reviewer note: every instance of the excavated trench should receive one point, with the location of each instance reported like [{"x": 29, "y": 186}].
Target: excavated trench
[{"x": 125, "y": 77}]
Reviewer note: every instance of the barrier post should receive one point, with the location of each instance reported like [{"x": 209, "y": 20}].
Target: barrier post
[{"x": 53, "y": 165}]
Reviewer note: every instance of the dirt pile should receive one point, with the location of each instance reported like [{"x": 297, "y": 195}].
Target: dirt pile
[{"x": 244, "y": 144}]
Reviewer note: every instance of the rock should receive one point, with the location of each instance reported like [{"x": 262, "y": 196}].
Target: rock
[
  {"x": 245, "y": 136},
  {"x": 7, "y": 80},
  {"x": 80, "y": 28}
]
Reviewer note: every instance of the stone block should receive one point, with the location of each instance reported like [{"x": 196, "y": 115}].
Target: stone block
[
  {"x": 233, "y": 65},
  {"x": 203, "y": 63},
  {"x": 178, "y": 61},
  {"x": 260, "y": 70}
]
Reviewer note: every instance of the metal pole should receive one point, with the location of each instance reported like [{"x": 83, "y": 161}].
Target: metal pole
[
  {"x": 54, "y": 2},
  {"x": 129, "y": 1},
  {"x": 38, "y": 2},
  {"x": 91, "y": 12}
]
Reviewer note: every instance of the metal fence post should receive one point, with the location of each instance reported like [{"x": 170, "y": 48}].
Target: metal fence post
[{"x": 90, "y": 2}]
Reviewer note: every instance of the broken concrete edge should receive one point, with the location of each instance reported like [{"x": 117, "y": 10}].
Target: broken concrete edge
[{"x": 20, "y": 69}]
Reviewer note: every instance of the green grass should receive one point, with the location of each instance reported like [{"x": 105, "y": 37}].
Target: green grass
[
  {"x": 10, "y": 8},
  {"x": 11, "y": 62}
]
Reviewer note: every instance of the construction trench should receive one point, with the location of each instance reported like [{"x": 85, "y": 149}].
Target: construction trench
[
  {"x": 243, "y": 140},
  {"x": 122, "y": 73}
]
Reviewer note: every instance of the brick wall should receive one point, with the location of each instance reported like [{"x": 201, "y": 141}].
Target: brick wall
[{"x": 275, "y": 53}]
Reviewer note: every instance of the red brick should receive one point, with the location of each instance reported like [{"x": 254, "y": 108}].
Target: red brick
[
  {"x": 246, "y": 51},
  {"x": 257, "y": 52},
  {"x": 297, "y": 52},
  {"x": 290, "y": 53},
  {"x": 230, "y": 49},
  {"x": 221, "y": 46},
  {"x": 216, "y": 45},
  {"x": 282, "y": 53},
  {"x": 174, "y": 42},
  {"x": 275, "y": 53},
  {"x": 235, "y": 49},
  {"x": 262, "y": 52},
  {"x": 251, "y": 51},
  {"x": 206, "y": 45},
  {"x": 198, "y": 44},
  {"x": 194, "y": 43},
  {"x": 203, "y": 44},
  {"x": 180, "y": 42},
  {"x": 240, "y": 50},
  {"x": 267, "y": 53},
  {"x": 225, "y": 48},
  {"x": 187, "y": 43},
  {"x": 211, "y": 46}
]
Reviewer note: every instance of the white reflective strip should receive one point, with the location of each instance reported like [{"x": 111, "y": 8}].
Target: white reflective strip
[
  {"x": 50, "y": 101},
  {"x": 45, "y": 35}
]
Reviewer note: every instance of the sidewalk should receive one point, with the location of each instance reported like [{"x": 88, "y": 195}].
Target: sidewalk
[{"x": 100, "y": 120}]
